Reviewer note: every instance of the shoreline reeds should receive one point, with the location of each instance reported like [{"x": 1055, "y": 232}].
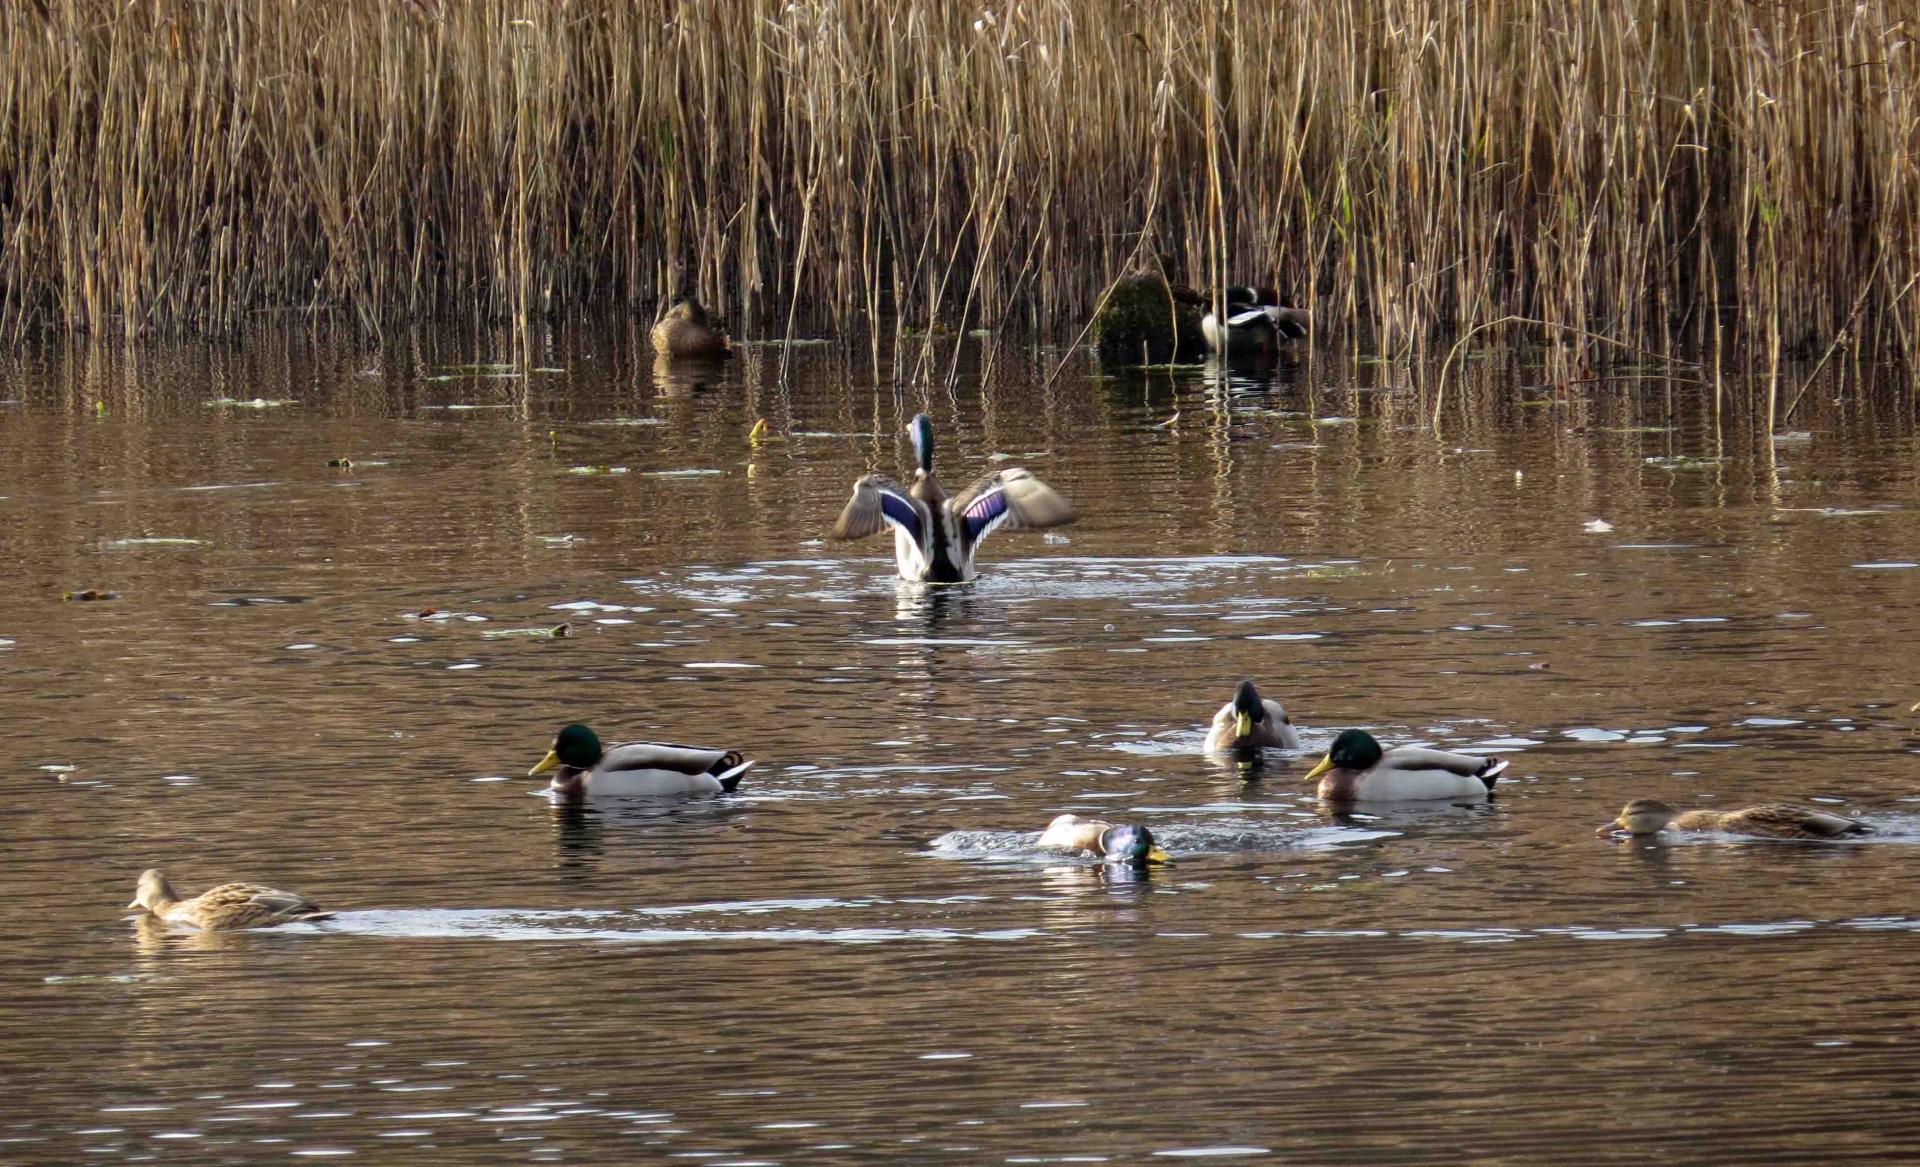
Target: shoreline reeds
[{"x": 1736, "y": 181}]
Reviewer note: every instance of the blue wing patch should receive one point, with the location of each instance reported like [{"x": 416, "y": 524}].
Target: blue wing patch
[
  {"x": 985, "y": 513},
  {"x": 900, "y": 511}
]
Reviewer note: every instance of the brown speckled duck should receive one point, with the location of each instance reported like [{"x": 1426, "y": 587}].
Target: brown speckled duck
[
  {"x": 228, "y": 906},
  {"x": 1650, "y": 816},
  {"x": 687, "y": 331}
]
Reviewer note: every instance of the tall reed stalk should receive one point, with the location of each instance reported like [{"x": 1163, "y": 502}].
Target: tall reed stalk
[{"x": 1736, "y": 178}]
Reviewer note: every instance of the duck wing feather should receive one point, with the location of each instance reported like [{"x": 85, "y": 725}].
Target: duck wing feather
[
  {"x": 1013, "y": 498},
  {"x": 879, "y": 502}
]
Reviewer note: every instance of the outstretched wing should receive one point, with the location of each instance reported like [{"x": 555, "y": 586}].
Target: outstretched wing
[
  {"x": 879, "y": 502},
  {"x": 1009, "y": 498}
]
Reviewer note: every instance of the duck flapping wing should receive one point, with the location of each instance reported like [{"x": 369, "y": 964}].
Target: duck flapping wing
[
  {"x": 1011, "y": 498},
  {"x": 877, "y": 503}
]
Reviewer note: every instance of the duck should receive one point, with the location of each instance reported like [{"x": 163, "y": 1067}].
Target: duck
[
  {"x": 228, "y": 906},
  {"x": 687, "y": 331},
  {"x": 1250, "y": 721},
  {"x": 1356, "y": 769},
  {"x": 636, "y": 769},
  {"x": 934, "y": 536},
  {"x": 1253, "y": 322},
  {"x": 1650, "y": 816},
  {"x": 1129, "y": 843}
]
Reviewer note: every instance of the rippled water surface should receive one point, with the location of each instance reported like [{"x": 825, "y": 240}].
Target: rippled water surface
[{"x": 331, "y": 678}]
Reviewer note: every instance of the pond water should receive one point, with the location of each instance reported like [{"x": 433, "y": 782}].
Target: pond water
[{"x": 861, "y": 957}]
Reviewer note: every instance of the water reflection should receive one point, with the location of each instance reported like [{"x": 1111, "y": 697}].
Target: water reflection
[{"x": 862, "y": 954}]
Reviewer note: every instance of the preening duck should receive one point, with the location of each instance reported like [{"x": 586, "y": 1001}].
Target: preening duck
[
  {"x": 687, "y": 331},
  {"x": 1650, "y": 816},
  {"x": 1356, "y": 769},
  {"x": 636, "y": 769},
  {"x": 1250, "y": 721},
  {"x": 1129, "y": 843},
  {"x": 935, "y": 537},
  {"x": 228, "y": 906},
  {"x": 1253, "y": 322}
]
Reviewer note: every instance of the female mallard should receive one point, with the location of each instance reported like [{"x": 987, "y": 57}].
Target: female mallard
[
  {"x": 1650, "y": 816},
  {"x": 1249, "y": 721},
  {"x": 1253, "y": 323},
  {"x": 638, "y": 769},
  {"x": 1127, "y": 843},
  {"x": 1356, "y": 769},
  {"x": 231, "y": 905},
  {"x": 934, "y": 537},
  {"x": 687, "y": 331}
]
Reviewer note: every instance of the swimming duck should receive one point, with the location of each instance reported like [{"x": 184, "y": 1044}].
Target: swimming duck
[
  {"x": 231, "y": 905},
  {"x": 935, "y": 537},
  {"x": 1650, "y": 816},
  {"x": 1255, "y": 323},
  {"x": 1249, "y": 721},
  {"x": 1128, "y": 843},
  {"x": 638, "y": 769},
  {"x": 1356, "y": 769},
  {"x": 687, "y": 331}
]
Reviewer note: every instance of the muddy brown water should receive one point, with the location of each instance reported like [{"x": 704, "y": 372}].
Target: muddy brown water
[{"x": 860, "y": 958}]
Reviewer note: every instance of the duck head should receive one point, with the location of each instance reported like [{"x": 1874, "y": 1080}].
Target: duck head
[
  {"x": 920, "y": 429},
  {"x": 576, "y": 747},
  {"x": 1642, "y": 816},
  {"x": 1248, "y": 709},
  {"x": 1354, "y": 749},
  {"x": 1131, "y": 844},
  {"x": 153, "y": 893},
  {"x": 688, "y": 309}
]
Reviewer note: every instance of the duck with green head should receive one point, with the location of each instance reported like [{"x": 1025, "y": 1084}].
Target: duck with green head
[
  {"x": 1249, "y": 722},
  {"x": 584, "y": 768},
  {"x": 1357, "y": 769},
  {"x": 934, "y": 536},
  {"x": 1129, "y": 843},
  {"x": 1253, "y": 323}
]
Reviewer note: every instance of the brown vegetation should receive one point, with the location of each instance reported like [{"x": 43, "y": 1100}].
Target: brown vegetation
[{"x": 1640, "y": 170}]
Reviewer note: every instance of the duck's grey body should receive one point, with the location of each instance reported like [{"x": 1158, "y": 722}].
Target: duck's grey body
[
  {"x": 636, "y": 769},
  {"x": 1356, "y": 769},
  {"x": 1253, "y": 323},
  {"x": 1250, "y": 722},
  {"x": 934, "y": 536}
]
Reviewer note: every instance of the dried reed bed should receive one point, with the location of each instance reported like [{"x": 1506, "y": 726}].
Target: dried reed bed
[{"x": 1735, "y": 179}]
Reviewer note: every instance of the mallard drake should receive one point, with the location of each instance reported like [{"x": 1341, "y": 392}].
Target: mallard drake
[
  {"x": 636, "y": 769},
  {"x": 935, "y": 537},
  {"x": 687, "y": 331},
  {"x": 1250, "y": 721},
  {"x": 1253, "y": 322},
  {"x": 1650, "y": 816},
  {"x": 1128, "y": 843},
  {"x": 1356, "y": 769},
  {"x": 231, "y": 905}
]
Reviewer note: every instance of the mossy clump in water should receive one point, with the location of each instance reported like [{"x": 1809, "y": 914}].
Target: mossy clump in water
[{"x": 1142, "y": 323}]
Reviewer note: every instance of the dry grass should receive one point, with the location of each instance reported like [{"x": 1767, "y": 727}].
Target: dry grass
[{"x": 1738, "y": 179}]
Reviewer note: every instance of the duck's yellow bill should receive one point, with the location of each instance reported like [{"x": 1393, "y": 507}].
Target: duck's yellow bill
[
  {"x": 1158, "y": 856},
  {"x": 1916, "y": 707},
  {"x": 1243, "y": 725},
  {"x": 1607, "y": 828},
  {"x": 547, "y": 763},
  {"x": 136, "y": 906},
  {"x": 1326, "y": 764}
]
